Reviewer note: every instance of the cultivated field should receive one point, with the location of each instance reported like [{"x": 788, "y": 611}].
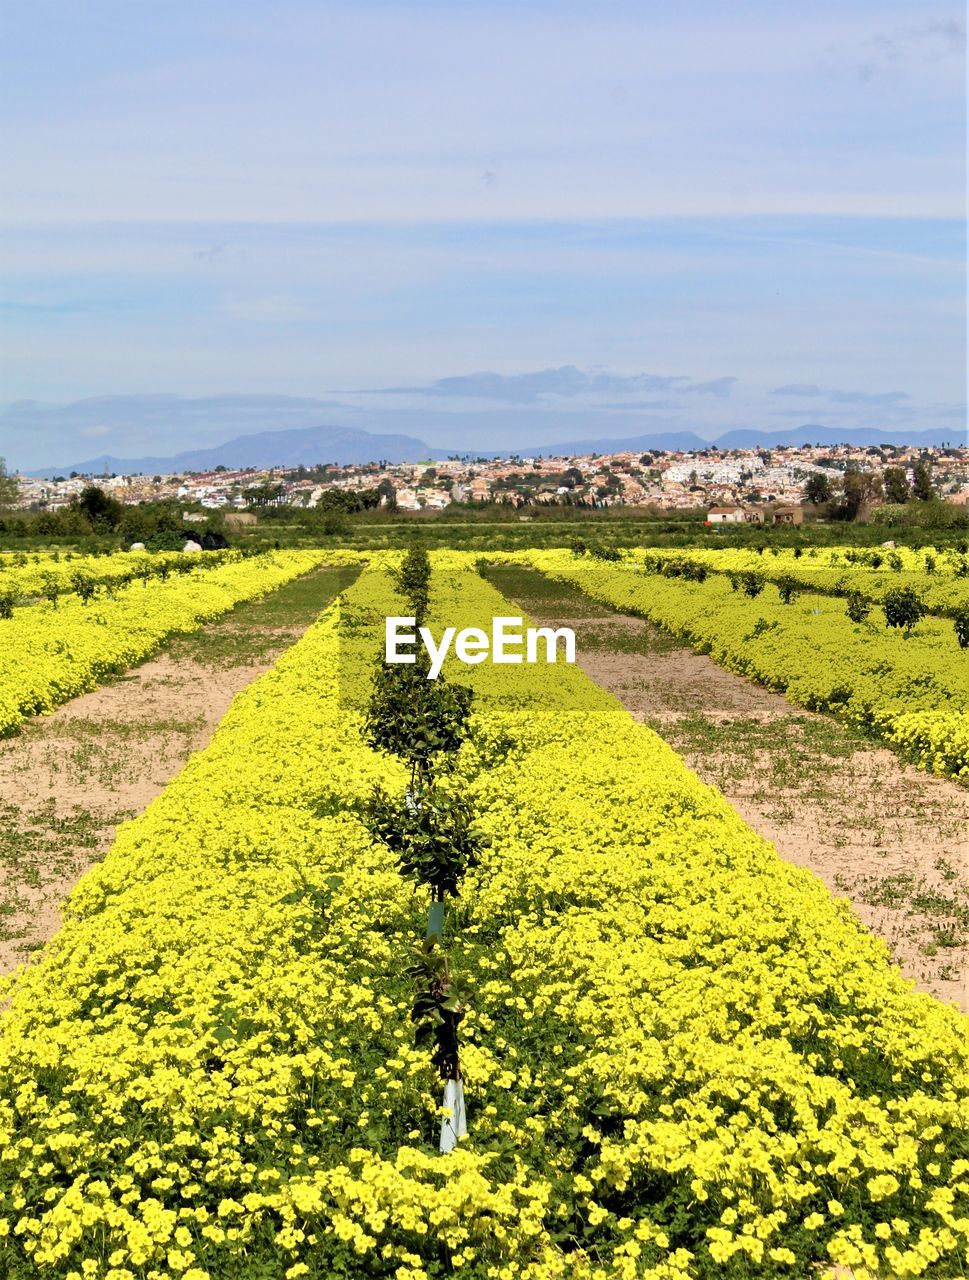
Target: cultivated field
[{"x": 650, "y": 966}]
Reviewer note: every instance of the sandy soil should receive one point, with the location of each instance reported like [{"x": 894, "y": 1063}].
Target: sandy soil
[
  {"x": 877, "y": 830},
  {"x": 68, "y": 778}
]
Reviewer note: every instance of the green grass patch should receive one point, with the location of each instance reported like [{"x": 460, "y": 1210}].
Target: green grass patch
[{"x": 254, "y": 632}]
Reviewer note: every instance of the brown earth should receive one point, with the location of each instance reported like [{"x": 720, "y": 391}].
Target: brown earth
[
  {"x": 68, "y": 778},
  {"x": 890, "y": 837}
]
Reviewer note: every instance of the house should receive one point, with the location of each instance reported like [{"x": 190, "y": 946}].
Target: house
[
  {"x": 787, "y": 515},
  {"x": 725, "y": 515},
  {"x": 437, "y": 500}
]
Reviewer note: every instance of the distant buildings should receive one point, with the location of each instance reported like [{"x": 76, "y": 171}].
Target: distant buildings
[{"x": 733, "y": 486}]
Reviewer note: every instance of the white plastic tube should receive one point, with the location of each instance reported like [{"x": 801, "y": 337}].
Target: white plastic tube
[{"x": 455, "y": 1125}]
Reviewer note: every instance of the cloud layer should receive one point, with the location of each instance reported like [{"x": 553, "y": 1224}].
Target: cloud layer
[{"x": 654, "y": 213}]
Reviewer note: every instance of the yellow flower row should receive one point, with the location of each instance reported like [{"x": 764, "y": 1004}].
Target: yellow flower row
[
  {"x": 939, "y": 577},
  {"x": 913, "y": 692},
  {"x": 50, "y": 655},
  {"x": 30, "y": 579},
  {"x": 682, "y": 1057}
]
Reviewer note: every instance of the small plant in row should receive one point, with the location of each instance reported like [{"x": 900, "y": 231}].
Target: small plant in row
[{"x": 430, "y": 830}]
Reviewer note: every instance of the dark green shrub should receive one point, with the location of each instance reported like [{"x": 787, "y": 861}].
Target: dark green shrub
[
  {"x": 431, "y": 833},
  {"x": 413, "y": 580},
  {"x": 858, "y": 607},
  {"x": 788, "y": 587},
  {"x": 51, "y": 588},
  {"x": 84, "y": 585},
  {"x": 903, "y": 609},
  {"x": 961, "y": 622},
  {"x": 414, "y": 717}
]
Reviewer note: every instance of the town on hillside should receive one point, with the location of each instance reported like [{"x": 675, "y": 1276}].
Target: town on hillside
[{"x": 731, "y": 485}]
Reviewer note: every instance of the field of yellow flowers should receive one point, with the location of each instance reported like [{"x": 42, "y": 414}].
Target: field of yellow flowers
[
  {"x": 50, "y": 654},
  {"x": 939, "y": 576},
  {"x": 682, "y": 1057},
  {"x": 911, "y": 691},
  {"x": 26, "y": 576}
]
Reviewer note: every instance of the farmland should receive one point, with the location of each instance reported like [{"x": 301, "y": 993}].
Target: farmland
[{"x": 685, "y": 1054}]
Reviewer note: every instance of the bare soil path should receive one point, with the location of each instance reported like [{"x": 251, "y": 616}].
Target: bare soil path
[
  {"x": 67, "y": 779},
  {"x": 891, "y": 838}
]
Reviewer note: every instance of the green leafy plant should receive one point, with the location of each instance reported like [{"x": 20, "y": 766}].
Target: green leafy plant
[
  {"x": 432, "y": 834},
  {"x": 439, "y": 1005},
  {"x": 859, "y": 606},
  {"x": 51, "y": 588},
  {"x": 414, "y": 717},
  {"x": 84, "y": 585},
  {"x": 413, "y": 580},
  {"x": 606, "y": 553},
  {"x": 961, "y": 622},
  {"x": 788, "y": 587},
  {"x": 903, "y": 609}
]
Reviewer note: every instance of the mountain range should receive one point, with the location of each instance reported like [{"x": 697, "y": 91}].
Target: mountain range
[{"x": 351, "y": 445}]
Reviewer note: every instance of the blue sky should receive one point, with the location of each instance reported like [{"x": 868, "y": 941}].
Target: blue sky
[{"x": 330, "y": 200}]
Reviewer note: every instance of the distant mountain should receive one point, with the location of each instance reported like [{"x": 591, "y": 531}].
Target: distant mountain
[
  {"x": 811, "y": 433},
  {"x": 267, "y": 449},
  {"x": 310, "y": 445},
  {"x": 682, "y": 441},
  {"x": 685, "y": 441}
]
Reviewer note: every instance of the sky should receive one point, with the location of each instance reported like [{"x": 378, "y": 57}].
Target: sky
[{"x": 422, "y": 215}]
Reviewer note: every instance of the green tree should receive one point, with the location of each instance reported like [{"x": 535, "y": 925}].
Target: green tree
[
  {"x": 432, "y": 835},
  {"x": 903, "y": 609},
  {"x": 103, "y": 511},
  {"x": 85, "y": 586},
  {"x": 818, "y": 488},
  {"x": 788, "y": 587},
  {"x": 858, "y": 607},
  {"x": 897, "y": 487},
  {"x": 858, "y": 489},
  {"x": 416, "y": 718},
  {"x": 439, "y": 1005},
  {"x": 9, "y": 488},
  {"x": 922, "y": 483},
  {"x": 414, "y": 580}
]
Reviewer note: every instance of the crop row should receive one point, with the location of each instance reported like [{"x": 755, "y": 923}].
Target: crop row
[
  {"x": 50, "y": 655},
  {"x": 682, "y": 1057},
  {"x": 53, "y": 576},
  {"x": 940, "y": 579},
  {"x": 911, "y": 691}
]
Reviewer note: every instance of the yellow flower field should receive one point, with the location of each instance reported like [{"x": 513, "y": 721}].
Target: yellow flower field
[
  {"x": 939, "y": 576},
  {"x": 913, "y": 691},
  {"x": 682, "y": 1058},
  {"x": 49, "y": 655},
  {"x": 107, "y": 571}
]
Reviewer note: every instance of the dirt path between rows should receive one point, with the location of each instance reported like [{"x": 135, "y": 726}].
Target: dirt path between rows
[
  {"x": 68, "y": 778},
  {"x": 886, "y": 835}
]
